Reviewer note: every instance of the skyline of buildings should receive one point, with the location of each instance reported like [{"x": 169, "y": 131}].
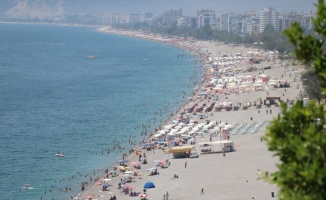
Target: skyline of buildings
[{"x": 237, "y": 23}]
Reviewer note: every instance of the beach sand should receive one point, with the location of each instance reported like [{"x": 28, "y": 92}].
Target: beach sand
[{"x": 233, "y": 176}]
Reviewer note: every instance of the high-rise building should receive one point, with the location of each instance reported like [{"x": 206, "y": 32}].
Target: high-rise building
[
  {"x": 231, "y": 23},
  {"x": 304, "y": 19},
  {"x": 269, "y": 16},
  {"x": 134, "y": 18},
  {"x": 171, "y": 16},
  {"x": 206, "y": 17},
  {"x": 147, "y": 17}
]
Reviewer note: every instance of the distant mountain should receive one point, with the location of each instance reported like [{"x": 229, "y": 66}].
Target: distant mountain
[{"x": 32, "y": 9}]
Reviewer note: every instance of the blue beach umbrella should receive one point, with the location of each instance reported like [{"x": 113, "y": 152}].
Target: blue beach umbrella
[
  {"x": 149, "y": 185},
  {"x": 122, "y": 161}
]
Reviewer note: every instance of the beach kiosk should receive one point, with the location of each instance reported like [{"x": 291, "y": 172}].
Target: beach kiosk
[
  {"x": 182, "y": 151},
  {"x": 216, "y": 146}
]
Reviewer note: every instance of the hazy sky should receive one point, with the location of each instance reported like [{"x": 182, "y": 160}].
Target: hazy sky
[
  {"x": 189, "y": 6},
  {"x": 156, "y": 6}
]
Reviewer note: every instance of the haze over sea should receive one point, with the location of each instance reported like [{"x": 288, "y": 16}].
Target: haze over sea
[{"x": 53, "y": 98}]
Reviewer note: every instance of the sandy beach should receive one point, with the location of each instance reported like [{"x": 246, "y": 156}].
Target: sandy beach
[{"x": 229, "y": 94}]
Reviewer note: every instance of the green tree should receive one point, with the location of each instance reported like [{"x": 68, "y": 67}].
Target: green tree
[
  {"x": 297, "y": 135},
  {"x": 311, "y": 83}
]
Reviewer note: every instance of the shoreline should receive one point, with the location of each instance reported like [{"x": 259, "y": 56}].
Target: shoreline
[
  {"x": 159, "y": 39},
  {"x": 251, "y": 153}
]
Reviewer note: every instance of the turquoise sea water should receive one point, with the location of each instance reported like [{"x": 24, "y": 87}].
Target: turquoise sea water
[{"x": 53, "y": 98}]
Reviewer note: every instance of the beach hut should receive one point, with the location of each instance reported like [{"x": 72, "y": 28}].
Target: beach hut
[
  {"x": 217, "y": 146},
  {"x": 181, "y": 151}
]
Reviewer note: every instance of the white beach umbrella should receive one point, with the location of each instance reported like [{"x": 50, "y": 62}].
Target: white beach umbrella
[
  {"x": 191, "y": 124},
  {"x": 157, "y": 135},
  {"x": 232, "y": 87},
  {"x": 221, "y": 125},
  {"x": 196, "y": 128},
  {"x": 229, "y": 126},
  {"x": 181, "y": 124}
]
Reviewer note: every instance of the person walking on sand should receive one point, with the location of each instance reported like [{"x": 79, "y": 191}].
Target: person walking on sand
[
  {"x": 202, "y": 191},
  {"x": 185, "y": 164},
  {"x": 167, "y": 196},
  {"x": 163, "y": 196}
]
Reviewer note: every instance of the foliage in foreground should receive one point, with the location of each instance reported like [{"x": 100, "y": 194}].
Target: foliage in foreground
[{"x": 297, "y": 135}]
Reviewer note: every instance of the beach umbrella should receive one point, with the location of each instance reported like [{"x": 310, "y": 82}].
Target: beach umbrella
[
  {"x": 145, "y": 144},
  {"x": 106, "y": 179},
  {"x": 125, "y": 175},
  {"x": 122, "y": 161},
  {"x": 151, "y": 169},
  {"x": 149, "y": 185},
  {"x": 163, "y": 162},
  {"x": 200, "y": 114},
  {"x": 143, "y": 195},
  {"x": 257, "y": 84},
  {"x": 232, "y": 86},
  {"x": 157, "y": 161},
  {"x": 128, "y": 172},
  {"x": 218, "y": 89},
  {"x": 89, "y": 197},
  {"x": 134, "y": 163},
  {"x": 105, "y": 185},
  {"x": 121, "y": 167}
]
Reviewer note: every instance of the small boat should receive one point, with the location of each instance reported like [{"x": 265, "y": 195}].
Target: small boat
[
  {"x": 59, "y": 154},
  {"x": 91, "y": 57},
  {"x": 26, "y": 187}
]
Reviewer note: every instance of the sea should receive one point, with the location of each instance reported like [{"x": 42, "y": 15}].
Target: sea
[{"x": 90, "y": 95}]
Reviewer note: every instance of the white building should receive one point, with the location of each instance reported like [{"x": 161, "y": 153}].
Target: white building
[
  {"x": 134, "y": 18},
  {"x": 205, "y": 17},
  {"x": 269, "y": 16}
]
